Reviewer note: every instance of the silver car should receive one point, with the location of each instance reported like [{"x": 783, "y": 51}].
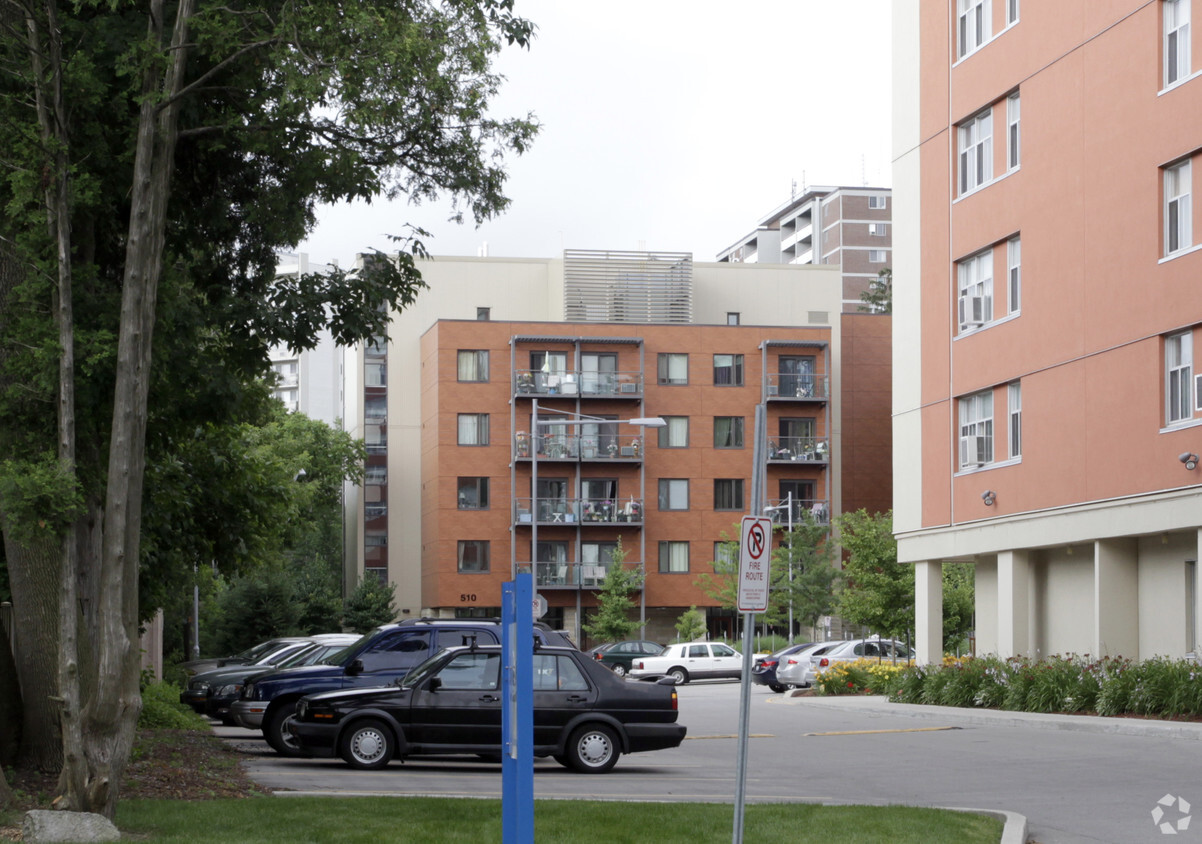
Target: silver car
[{"x": 796, "y": 671}]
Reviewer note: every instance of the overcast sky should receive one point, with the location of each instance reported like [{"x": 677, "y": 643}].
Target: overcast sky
[{"x": 670, "y": 125}]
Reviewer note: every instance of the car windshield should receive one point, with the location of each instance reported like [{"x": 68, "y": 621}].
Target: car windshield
[
  {"x": 257, "y": 651},
  {"x": 301, "y": 657},
  {"x": 354, "y": 646},
  {"x": 423, "y": 670},
  {"x": 332, "y": 655}
]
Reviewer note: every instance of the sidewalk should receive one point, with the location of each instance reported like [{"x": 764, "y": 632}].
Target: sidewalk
[{"x": 879, "y": 704}]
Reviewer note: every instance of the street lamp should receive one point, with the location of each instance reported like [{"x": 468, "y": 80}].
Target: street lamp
[
  {"x": 788, "y": 506},
  {"x": 577, "y": 419}
]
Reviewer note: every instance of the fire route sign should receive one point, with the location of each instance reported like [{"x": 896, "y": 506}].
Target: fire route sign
[{"x": 755, "y": 553}]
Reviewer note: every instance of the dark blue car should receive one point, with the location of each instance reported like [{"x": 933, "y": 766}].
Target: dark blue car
[{"x": 764, "y": 670}]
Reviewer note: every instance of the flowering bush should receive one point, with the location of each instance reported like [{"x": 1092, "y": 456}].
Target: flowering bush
[{"x": 861, "y": 676}]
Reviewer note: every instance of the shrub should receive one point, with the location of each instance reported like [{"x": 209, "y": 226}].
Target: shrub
[{"x": 161, "y": 709}]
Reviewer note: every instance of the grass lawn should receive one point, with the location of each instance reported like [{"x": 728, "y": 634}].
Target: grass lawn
[{"x": 435, "y": 820}]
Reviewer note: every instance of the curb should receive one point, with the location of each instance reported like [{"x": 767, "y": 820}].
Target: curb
[
  {"x": 880, "y": 705},
  {"x": 1014, "y": 829}
]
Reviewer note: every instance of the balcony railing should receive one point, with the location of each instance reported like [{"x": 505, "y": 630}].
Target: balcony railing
[
  {"x": 799, "y": 450},
  {"x": 569, "y": 575},
  {"x": 533, "y": 382},
  {"x": 573, "y": 511},
  {"x": 622, "y": 447},
  {"x": 816, "y": 509},
  {"x": 797, "y": 386}
]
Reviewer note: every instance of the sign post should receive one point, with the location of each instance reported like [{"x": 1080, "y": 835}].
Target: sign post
[
  {"x": 518, "y": 606},
  {"x": 755, "y": 555}
]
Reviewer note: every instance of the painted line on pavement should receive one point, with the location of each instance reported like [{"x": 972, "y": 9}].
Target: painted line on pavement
[
  {"x": 733, "y": 735},
  {"x": 873, "y": 732}
]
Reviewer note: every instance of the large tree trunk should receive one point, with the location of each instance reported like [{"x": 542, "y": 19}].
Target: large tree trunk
[
  {"x": 111, "y": 716},
  {"x": 10, "y": 702}
]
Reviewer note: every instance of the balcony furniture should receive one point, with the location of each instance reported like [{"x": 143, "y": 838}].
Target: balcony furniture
[{"x": 524, "y": 516}]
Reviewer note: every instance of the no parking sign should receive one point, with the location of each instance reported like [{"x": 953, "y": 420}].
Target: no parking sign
[{"x": 755, "y": 553}]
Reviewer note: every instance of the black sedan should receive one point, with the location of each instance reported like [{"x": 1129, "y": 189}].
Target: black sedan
[
  {"x": 585, "y": 716},
  {"x": 764, "y": 671}
]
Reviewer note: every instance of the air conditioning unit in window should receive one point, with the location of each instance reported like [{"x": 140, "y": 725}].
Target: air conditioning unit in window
[
  {"x": 972, "y": 311},
  {"x": 972, "y": 451}
]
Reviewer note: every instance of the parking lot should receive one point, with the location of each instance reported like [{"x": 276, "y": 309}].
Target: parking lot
[{"x": 1073, "y": 786}]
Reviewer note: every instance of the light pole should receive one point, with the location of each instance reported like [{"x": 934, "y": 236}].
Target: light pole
[
  {"x": 788, "y": 506},
  {"x": 577, "y": 419}
]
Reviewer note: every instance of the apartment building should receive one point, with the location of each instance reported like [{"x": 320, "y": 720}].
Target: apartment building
[
  {"x": 847, "y": 226},
  {"x": 308, "y": 381},
  {"x": 463, "y": 488},
  {"x": 1047, "y": 418}
]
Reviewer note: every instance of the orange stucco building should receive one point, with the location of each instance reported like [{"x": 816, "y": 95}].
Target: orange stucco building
[{"x": 1047, "y": 297}]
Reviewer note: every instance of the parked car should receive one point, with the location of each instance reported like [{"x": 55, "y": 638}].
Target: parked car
[
  {"x": 691, "y": 661},
  {"x": 386, "y": 654},
  {"x": 795, "y": 670},
  {"x": 763, "y": 672},
  {"x": 196, "y": 666},
  {"x": 227, "y": 684},
  {"x": 585, "y": 716},
  {"x": 885, "y": 650},
  {"x": 621, "y": 655},
  {"x": 197, "y": 691}
]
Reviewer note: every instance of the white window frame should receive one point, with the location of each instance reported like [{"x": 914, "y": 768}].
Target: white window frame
[
  {"x": 1014, "y": 402},
  {"x": 1177, "y": 57},
  {"x": 1011, "y": 12},
  {"x": 976, "y": 151},
  {"x": 876, "y": 256},
  {"x": 974, "y": 25},
  {"x": 1178, "y": 225},
  {"x": 1178, "y": 383},
  {"x": 877, "y": 229},
  {"x": 975, "y": 282},
  {"x": 877, "y": 202},
  {"x": 674, "y": 492},
  {"x": 976, "y": 430},
  {"x": 1014, "y": 275},
  {"x": 1013, "y": 136},
  {"x": 673, "y": 557},
  {"x": 472, "y": 429}
]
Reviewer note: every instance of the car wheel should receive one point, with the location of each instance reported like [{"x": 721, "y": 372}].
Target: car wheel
[
  {"x": 275, "y": 730},
  {"x": 563, "y": 760},
  {"x": 593, "y": 749},
  {"x": 366, "y": 745},
  {"x": 679, "y": 675},
  {"x": 619, "y": 669},
  {"x": 777, "y": 687}
]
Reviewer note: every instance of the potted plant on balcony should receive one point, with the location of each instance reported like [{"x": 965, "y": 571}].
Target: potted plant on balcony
[
  {"x": 525, "y": 382},
  {"x": 637, "y": 444},
  {"x": 523, "y": 444}
]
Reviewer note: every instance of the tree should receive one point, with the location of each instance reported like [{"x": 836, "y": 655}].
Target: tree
[
  {"x": 722, "y": 585},
  {"x": 958, "y": 605},
  {"x": 612, "y": 620},
  {"x": 811, "y": 556},
  {"x": 157, "y": 161},
  {"x": 878, "y": 298},
  {"x": 690, "y": 625},
  {"x": 877, "y": 592},
  {"x": 369, "y": 606},
  {"x": 256, "y": 608}
]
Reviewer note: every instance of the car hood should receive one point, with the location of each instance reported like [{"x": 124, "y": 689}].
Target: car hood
[
  {"x": 300, "y": 672},
  {"x": 360, "y": 695}
]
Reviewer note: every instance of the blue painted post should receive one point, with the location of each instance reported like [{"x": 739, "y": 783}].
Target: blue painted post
[{"x": 517, "y": 710}]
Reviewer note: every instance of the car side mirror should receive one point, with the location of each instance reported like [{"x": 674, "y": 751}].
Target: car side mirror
[
  {"x": 356, "y": 667},
  {"x": 434, "y": 685}
]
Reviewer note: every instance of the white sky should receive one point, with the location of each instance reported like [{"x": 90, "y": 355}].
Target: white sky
[{"x": 668, "y": 125}]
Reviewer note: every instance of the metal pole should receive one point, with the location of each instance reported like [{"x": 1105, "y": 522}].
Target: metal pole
[
  {"x": 196, "y": 612},
  {"x": 534, "y": 491},
  {"x": 789, "y": 503}
]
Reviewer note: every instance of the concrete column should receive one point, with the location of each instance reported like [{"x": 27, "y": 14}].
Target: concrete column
[
  {"x": 1013, "y": 603},
  {"x": 985, "y": 605},
  {"x": 1116, "y": 598},
  {"x": 928, "y": 611}
]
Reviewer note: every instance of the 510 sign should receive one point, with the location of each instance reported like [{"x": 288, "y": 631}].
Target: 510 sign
[{"x": 467, "y": 597}]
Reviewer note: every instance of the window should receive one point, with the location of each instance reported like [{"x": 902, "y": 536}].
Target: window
[
  {"x": 1014, "y": 275},
  {"x": 976, "y": 430},
  {"x": 1178, "y": 230},
  {"x": 471, "y": 671},
  {"x": 375, "y": 410},
  {"x": 877, "y": 203},
  {"x": 877, "y": 229},
  {"x": 473, "y": 429},
  {"x": 375, "y": 539},
  {"x": 732, "y": 317},
  {"x": 728, "y": 493},
  {"x": 473, "y": 365},
  {"x": 484, "y": 314},
  {"x": 375, "y": 375},
  {"x": 674, "y": 558},
  {"x": 876, "y": 256},
  {"x": 728, "y": 432},
  {"x": 1012, "y": 144},
  {"x": 473, "y": 493},
  {"x": 975, "y": 276},
  {"x": 598, "y": 553},
  {"x": 1011, "y": 12},
  {"x": 376, "y": 475},
  {"x": 673, "y": 369},
  {"x": 675, "y": 434},
  {"x": 728, "y": 370},
  {"x": 1178, "y": 365},
  {"x": 1014, "y": 399},
  {"x": 976, "y": 151},
  {"x": 726, "y": 556},
  {"x": 1176, "y": 41},
  {"x": 975, "y": 24},
  {"x": 673, "y": 494},
  {"x": 473, "y": 556}
]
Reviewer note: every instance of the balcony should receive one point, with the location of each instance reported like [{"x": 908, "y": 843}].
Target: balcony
[
  {"x": 797, "y": 386},
  {"x": 569, "y": 575},
  {"x": 817, "y": 509},
  {"x": 799, "y": 450},
  {"x": 587, "y": 385},
  {"x": 594, "y": 512},
  {"x": 601, "y": 448}
]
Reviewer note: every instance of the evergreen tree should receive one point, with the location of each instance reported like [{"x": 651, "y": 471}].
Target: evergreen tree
[
  {"x": 612, "y": 620},
  {"x": 369, "y": 606}
]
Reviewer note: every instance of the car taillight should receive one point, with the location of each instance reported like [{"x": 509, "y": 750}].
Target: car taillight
[
  {"x": 792, "y": 661},
  {"x": 824, "y": 662},
  {"x": 640, "y": 665},
  {"x": 675, "y": 701}
]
